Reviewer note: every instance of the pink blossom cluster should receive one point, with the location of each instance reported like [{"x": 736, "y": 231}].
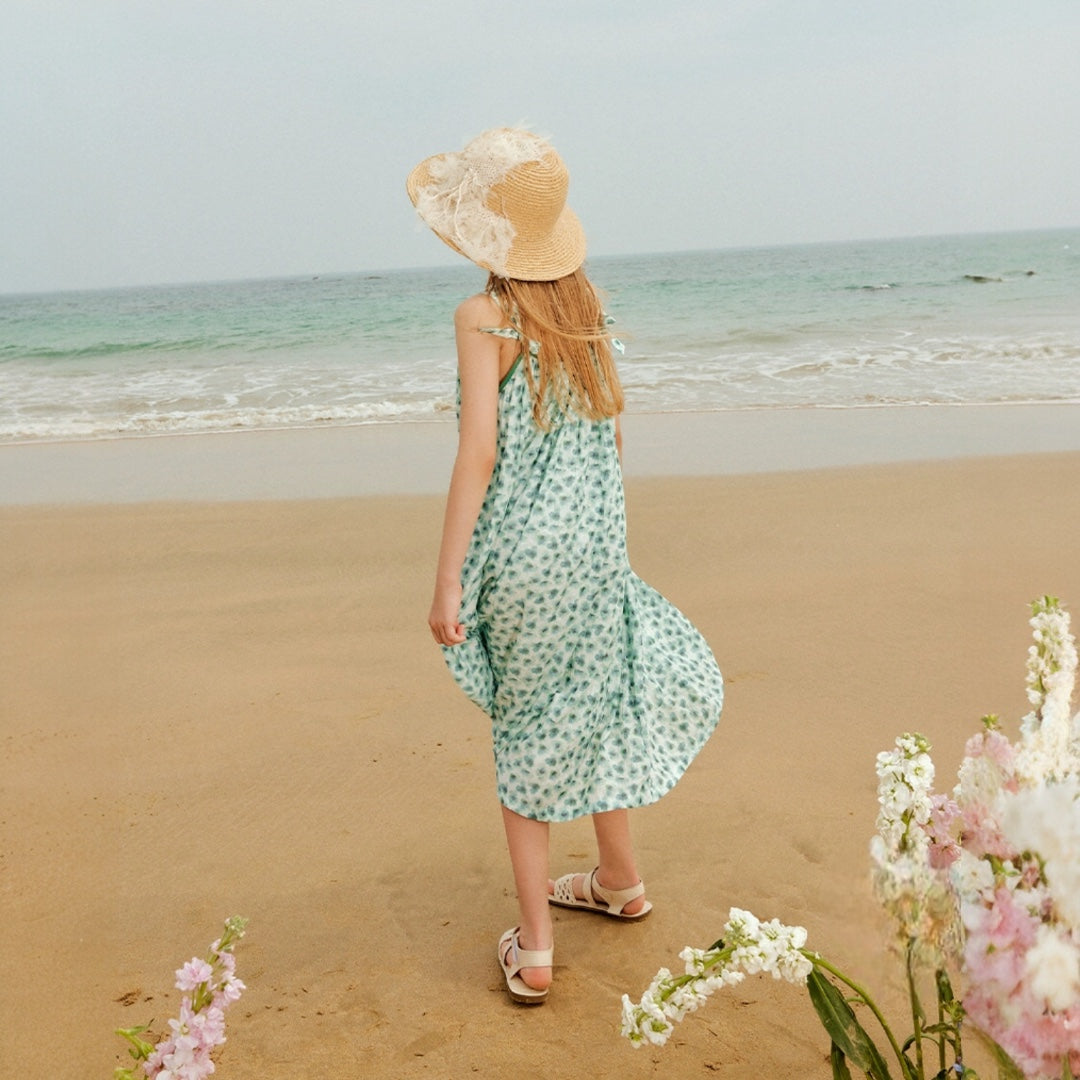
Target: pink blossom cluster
[
  {"x": 1021, "y": 960},
  {"x": 210, "y": 987},
  {"x": 1008, "y": 844}
]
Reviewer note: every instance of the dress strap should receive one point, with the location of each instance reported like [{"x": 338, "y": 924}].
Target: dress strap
[
  {"x": 511, "y": 332},
  {"x": 616, "y": 344},
  {"x": 514, "y": 334}
]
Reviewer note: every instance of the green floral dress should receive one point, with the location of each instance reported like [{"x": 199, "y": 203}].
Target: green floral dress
[{"x": 600, "y": 692}]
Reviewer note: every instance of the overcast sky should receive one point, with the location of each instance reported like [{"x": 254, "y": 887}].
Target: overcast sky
[{"x": 147, "y": 141}]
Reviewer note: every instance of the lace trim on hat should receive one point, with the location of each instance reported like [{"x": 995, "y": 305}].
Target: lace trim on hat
[{"x": 454, "y": 202}]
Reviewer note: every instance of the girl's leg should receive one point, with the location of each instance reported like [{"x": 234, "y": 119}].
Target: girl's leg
[
  {"x": 528, "y": 843},
  {"x": 616, "y": 868}
]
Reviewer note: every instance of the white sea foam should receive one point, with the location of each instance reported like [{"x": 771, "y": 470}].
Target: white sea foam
[{"x": 837, "y": 326}]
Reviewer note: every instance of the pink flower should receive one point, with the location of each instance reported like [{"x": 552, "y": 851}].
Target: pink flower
[
  {"x": 1039, "y": 1042},
  {"x": 209, "y": 1027},
  {"x": 229, "y": 991},
  {"x": 942, "y": 828},
  {"x": 153, "y": 1064},
  {"x": 192, "y": 974},
  {"x": 995, "y": 746},
  {"x": 1003, "y": 998},
  {"x": 980, "y": 832},
  {"x": 998, "y": 939}
]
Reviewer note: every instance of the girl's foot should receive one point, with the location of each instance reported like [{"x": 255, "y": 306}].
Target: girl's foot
[
  {"x": 539, "y": 978},
  {"x": 597, "y": 895},
  {"x": 527, "y": 984}
]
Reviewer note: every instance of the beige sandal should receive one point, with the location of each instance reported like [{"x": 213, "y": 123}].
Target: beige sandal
[
  {"x": 512, "y": 958},
  {"x": 613, "y": 900}
]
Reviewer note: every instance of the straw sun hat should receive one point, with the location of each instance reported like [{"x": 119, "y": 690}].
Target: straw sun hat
[{"x": 501, "y": 202}]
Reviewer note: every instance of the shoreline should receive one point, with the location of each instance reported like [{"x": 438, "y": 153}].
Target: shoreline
[{"x": 415, "y": 458}]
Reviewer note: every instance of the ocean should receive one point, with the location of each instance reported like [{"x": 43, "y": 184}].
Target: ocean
[{"x": 943, "y": 320}]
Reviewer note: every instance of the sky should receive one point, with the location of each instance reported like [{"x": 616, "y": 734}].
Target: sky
[{"x": 156, "y": 141}]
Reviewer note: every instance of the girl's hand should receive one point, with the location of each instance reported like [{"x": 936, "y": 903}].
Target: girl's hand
[
  {"x": 478, "y": 369},
  {"x": 443, "y": 617}
]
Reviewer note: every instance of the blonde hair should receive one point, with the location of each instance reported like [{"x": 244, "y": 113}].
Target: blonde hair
[{"x": 575, "y": 369}]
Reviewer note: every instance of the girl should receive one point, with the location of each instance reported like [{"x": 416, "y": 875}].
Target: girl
[{"x": 599, "y": 691}]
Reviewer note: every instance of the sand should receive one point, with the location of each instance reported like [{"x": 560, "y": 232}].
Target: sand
[{"x": 225, "y": 707}]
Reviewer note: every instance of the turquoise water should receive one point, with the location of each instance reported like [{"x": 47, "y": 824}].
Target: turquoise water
[{"x": 939, "y": 320}]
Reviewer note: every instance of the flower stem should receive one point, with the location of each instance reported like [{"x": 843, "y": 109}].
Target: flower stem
[
  {"x": 864, "y": 997},
  {"x": 916, "y": 1011},
  {"x": 941, "y": 1028}
]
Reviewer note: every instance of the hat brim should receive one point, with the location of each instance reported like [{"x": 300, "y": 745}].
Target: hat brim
[{"x": 560, "y": 252}]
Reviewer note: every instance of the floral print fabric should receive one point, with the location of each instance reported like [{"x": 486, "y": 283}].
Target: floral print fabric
[{"x": 600, "y": 692}]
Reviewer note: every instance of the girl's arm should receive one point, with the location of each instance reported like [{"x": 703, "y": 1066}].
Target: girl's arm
[{"x": 478, "y": 368}]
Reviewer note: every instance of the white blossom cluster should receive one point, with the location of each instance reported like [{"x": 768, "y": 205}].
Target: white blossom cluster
[
  {"x": 767, "y": 947},
  {"x": 905, "y": 783},
  {"x": 918, "y": 896},
  {"x": 1047, "y": 820},
  {"x": 973, "y": 878},
  {"x": 1050, "y": 744},
  {"x": 1052, "y": 966},
  {"x": 750, "y": 947},
  {"x": 979, "y": 781}
]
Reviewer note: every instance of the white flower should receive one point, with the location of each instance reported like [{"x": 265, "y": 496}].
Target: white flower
[
  {"x": 640, "y": 1023},
  {"x": 916, "y": 895},
  {"x": 750, "y": 947},
  {"x": 905, "y": 782},
  {"x": 1054, "y": 647},
  {"x": 1050, "y": 747},
  {"x": 1046, "y": 821},
  {"x": 973, "y": 878},
  {"x": 1053, "y": 966},
  {"x": 767, "y": 947},
  {"x": 978, "y": 781}
]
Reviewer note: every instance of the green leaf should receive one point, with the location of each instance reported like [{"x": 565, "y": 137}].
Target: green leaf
[
  {"x": 944, "y": 989},
  {"x": 843, "y": 1028},
  {"x": 840, "y": 1071},
  {"x": 140, "y": 1049},
  {"x": 944, "y": 1028},
  {"x": 1066, "y": 1071}
]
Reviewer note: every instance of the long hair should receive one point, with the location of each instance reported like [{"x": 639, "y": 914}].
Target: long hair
[{"x": 575, "y": 369}]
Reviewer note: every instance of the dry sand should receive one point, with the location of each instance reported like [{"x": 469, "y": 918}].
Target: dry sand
[{"x": 225, "y": 707}]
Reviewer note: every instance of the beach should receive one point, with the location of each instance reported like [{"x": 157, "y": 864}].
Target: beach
[{"x": 220, "y": 697}]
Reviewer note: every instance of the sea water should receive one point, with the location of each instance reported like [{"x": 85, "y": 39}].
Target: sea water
[{"x": 958, "y": 320}]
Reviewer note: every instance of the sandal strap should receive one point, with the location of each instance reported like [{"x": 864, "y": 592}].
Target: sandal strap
[
  {"x": 532, "y": 957},
  {"x": 564, "y": 891},
  {"x": 522, "y": 958},
  {"x": 616, "y": 899}
]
